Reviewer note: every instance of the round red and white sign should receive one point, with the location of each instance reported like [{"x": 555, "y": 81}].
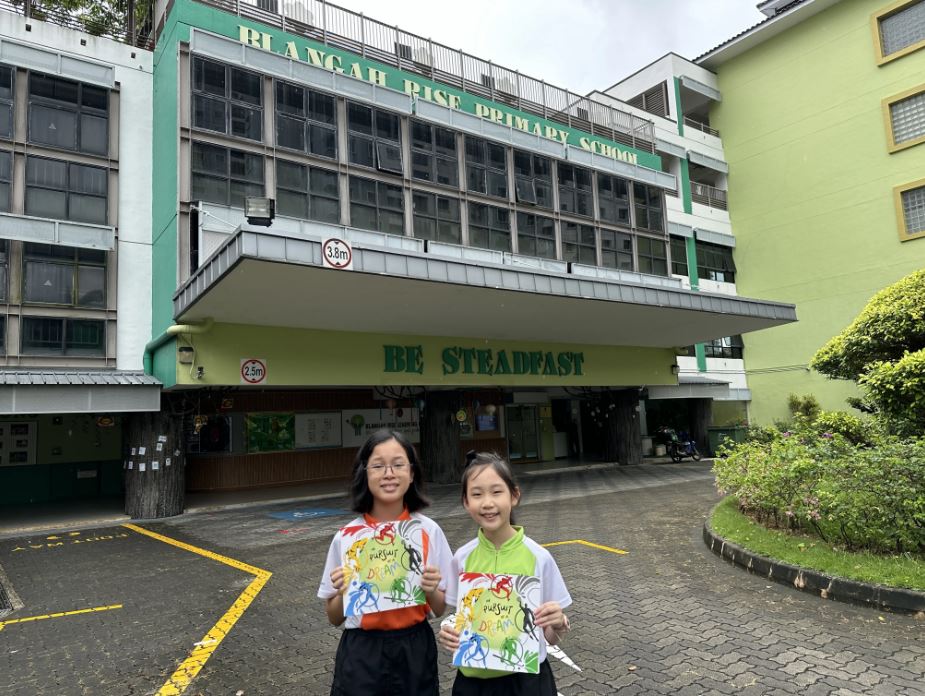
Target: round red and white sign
[
  {"x": 253, "y": 371},
  {"x": 336, "y": 253}
]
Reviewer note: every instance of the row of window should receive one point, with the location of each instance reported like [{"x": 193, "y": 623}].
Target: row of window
[
  {"x": 61, "y": 113},
  {"x": 229, "y": 100},
  {"x": 54, "y": 336},
  {"x": 58, "y": 189},
  {"x": 725, "y": 347},
  {"x": 714, "y": 262},
  {"x": 900, "y": 29},
  {"x": 57, "y": 275}
]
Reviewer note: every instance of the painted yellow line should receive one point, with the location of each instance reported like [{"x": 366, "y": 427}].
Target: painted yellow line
[
  {"x": 57, "y": 615},
  {"x": 184, "y": 674},
  {"x": 609, "y": 549}
]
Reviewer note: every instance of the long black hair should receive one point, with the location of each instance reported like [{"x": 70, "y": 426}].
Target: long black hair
[{"x": 360, "y": 495}]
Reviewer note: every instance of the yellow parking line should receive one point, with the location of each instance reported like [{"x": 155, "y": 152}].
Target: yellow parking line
[
  {"x": 57, "y": 615},
  {"x": 184, "y": 674},
  {"x": 609, "y": 549}
]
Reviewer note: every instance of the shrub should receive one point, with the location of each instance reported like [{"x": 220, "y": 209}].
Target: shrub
[
  {"x": 851, "y": 427},
  {"x": 803, "y": 406}
]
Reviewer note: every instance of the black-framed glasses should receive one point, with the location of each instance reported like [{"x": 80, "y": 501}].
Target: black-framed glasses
[{"x": 396, "y": 467}]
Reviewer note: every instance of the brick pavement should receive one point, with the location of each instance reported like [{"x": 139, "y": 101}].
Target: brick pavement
[{"x": 668, "y": 618}]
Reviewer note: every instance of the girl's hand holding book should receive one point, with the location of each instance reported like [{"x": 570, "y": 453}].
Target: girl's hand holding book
[
  {"x": 430, "y": 578},
  {"x": 448, "y": 638}
]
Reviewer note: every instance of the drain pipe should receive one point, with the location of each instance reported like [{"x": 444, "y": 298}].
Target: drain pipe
[{"x": 167, "y": 334}]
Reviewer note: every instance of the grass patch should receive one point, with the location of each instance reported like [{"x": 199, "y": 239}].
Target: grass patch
[{"x": 903, "y": 570}]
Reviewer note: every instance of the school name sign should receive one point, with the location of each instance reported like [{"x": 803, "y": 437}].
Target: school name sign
[
  {"x": 339, "y": 61},
  {"x": 485, "y": 361}
]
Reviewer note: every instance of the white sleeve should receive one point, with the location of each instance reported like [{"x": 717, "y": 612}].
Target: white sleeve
[
  {"x": 452, "y": 581},
  {"x": 554, "y": 589},
  {"x": 326, "y": 589},
  {"x": 441, "y": 556}
]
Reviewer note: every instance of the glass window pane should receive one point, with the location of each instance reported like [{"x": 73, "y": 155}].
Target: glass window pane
[
  {"x": 497, "y": 156},
  {"x": 209, "y": 113},
  {"x": 387, "y": 125},
  {"x": 445, "y": 142},
  {"x": 245, "y": 87},
  {"x": 290, "y": 99},
  {"x": 424, "y": 204},
  {"x": 42, "y": 336},
  {"x": 391, "y": 223},
  {"x": 497, "y": 184},
  {"x": 6, "y": 120},
  {"x": 48, "y": 282},
  {"x": 292, "y": 203},
  {"x": 94, "y": 134},
  {"x": 447, "y": 208},
  {"x": 321, "y": 107},
  {"x": 324, "y": 182},
  {"x": 421, "y": 135},
  {"x": 5, "y": 197},
  {"x": 208, "y": 188},
  {"x": 325, "y": 209},
  {"x": 290, "y": 133},
  {"x": 291, "y": 175},
  {"x": 361, "y": 151},
  {"x": 421, "y": 165},
  {"x": 425, "y": 228},
  {"x": 364, "y": 217},
  {"x": 391, "y": 197},
  {"x": 84, "y": 337},
  {"x": 447, "y": 172},
  {"x": 55, "y": 127},
  {"x": 46, "y": 203},
  {"x": 55, "y": 88},
  {"x": 244, "y": 165},
  {"x": 241, "y": 190},
  {"x": 245, "y": 122},
  {"x": 94, "y": 98},
  {"x": 475, "y": 150},
  {"x": 91, "y": 286},
  {"x": 478, "y": 237},
  {"x": 210, "y": 158},
  {"x": 323, "y": 141},
  {"x": 6, "y": 82},
  {"x": 208, "y": 77},
  {"x": 360, "y": 118},
  {"x": 475, "y": 179},
  {"x": 84, "y": 179},
  {"x": 362, "y": 190},
  {"x": 87, "y": 209},
  {"x": 449, "y": 232},
  {"x": 389, "y": 157}
]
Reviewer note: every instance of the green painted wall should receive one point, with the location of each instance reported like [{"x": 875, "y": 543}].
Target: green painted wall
[
  {"x": 297, "y": 357},
  {"x": 62, "y": 449},
  {"x": 811, "y": 190}
]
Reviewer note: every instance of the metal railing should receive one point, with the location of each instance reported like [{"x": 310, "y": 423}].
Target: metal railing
[
  {"x": 701, "y": 126},
  {"x": 130, "y": 23},
  {"x": 354, "y": 32},
  {"x": 708, "y": 195}
]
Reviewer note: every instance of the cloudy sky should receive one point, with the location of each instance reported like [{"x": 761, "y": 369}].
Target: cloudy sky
[{"x": 577, "y": 44}]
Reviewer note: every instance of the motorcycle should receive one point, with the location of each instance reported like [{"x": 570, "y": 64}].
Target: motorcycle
[{"x": 684, "y": 447}]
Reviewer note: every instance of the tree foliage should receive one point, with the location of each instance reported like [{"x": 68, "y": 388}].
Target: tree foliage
[{"x": 883, "y": 349}]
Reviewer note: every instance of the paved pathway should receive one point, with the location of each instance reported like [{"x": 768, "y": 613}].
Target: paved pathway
[{"x": 667, "y": 618}]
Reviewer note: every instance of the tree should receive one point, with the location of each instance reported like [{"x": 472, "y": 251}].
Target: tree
[
  {"x": 119, "y": 19},
  {"x": 883, "y": 350}
]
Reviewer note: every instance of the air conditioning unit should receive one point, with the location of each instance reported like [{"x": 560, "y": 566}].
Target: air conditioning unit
[
  {"x": 403, "y": 51},
  {"x": 487, "y": 81},
  {"x": 583, "y": 114}
]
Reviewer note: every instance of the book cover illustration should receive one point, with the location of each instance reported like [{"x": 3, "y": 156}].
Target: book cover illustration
[
  {"x": 383, "y": 564},
  {"x": 495, "y": 620}
]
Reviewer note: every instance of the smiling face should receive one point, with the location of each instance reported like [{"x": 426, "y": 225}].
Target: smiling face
[
  {"x": 388, "y": 475},
  {"x": 489, "y": 502}
]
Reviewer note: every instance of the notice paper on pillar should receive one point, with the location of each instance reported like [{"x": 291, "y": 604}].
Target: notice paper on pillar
[
  {"x": 382, "y": 565},
  {"x": 253, "y": 371}
]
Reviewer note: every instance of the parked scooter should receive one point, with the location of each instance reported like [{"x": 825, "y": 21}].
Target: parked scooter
[{"x": 683, "y": 447}]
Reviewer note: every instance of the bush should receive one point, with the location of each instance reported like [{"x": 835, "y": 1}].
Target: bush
[
  {"x": 803, "y": 406},
  {"x": 854, "y": 429},
  {"x": 864, "y": 497}
]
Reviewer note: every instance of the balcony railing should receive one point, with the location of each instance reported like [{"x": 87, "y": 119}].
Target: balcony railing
[
  {"x": 701, "y": 126},
  {"x": 351, "y": 31},
  {"x": 131, "y": 22},
  {"x": 708, "y": 195}
]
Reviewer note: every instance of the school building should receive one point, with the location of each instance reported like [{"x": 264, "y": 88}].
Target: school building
[{"x": 823, "y": 123}]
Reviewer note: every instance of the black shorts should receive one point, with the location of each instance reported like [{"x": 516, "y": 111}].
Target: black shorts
[
  {"x": 386, "y": 663},
  {"x": 517, "y": 684}
]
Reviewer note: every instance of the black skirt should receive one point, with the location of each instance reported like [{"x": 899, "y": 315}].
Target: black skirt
[
  {"x": 517, "y": 684},
  {"x": 387, "y": 663}
]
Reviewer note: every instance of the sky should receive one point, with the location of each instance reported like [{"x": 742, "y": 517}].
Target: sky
[{"x": 581, "y": 45}]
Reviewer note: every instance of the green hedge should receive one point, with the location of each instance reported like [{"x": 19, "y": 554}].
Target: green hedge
[{"x": 863, "y": 496}]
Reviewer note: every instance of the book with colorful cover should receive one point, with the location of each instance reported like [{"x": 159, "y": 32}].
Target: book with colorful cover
[
  {"x": 383, "y": 565},
  {"x": 495, "y": 621}
]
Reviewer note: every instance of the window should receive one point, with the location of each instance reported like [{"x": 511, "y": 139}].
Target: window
[
  {"x": 308, "y": 193},
  {"x": 727, "y": 347},
  {"x": 653, "y": 258},
  {"x": 4, "y": 269},
  {"x": 905, "y": 116},
  {"x": 374, "y": 138},
  {"x": 648, "y": 204},
  {"x": 6, "y": 102},
  {"x": 66, "y": 191},
  {"x": 2, "y": 335},
  {"x": 64, "y": 275},
  {"x": 678, "y": 256},
  {"x": 910, "y": 210},
  {"x": 575, "y": 190},
  {"x": 6, "y": 180},
  {"x": 899, "y": 30},
  {"x": 433, "y": 154},
  {"x": 69, "y": 115},
  {"x": 536, "y": 235},
  {"x": 613, "y": 199},
  {"x": 306, "y": 120},
  {"x": 47, "y": 336},
  {"x": 617, "y": 250},
  {"x": 225, "y": 176},
  {"x": 533, "y": 179},
  {"x": 579, "y": 244},
  {"x": 486, "y": 167},
  {"x": 377, "y": 206},
  {"x": 489, "y": 227},
  {"x": 227, "y": 100},
  {"x": 714, "y": 262},
  {"x": 436, "y": 218}
]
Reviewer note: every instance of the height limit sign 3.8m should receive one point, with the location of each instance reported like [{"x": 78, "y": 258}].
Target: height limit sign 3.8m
[{"x": 336, "y": 253}]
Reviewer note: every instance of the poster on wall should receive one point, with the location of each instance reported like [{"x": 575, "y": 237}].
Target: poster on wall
[
  {"x": 17, "y": 443},
  {"x": 359, "y": 424},
  {"x": 317, "y": 430},
  {"x": 270, "y": 432}
]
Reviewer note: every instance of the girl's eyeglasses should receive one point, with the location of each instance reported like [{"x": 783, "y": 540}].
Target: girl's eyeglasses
[{"x": 379, "y": 468}]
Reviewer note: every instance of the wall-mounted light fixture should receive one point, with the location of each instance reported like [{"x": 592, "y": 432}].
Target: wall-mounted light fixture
[
  {"x": 675, "y": 369},
  {"x": 260, "y": 211}
]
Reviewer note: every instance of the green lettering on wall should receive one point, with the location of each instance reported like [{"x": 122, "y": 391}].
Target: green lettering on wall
[
  {"x": 484, "y": 359},
  {"x": 502, "y": 366},
  {"x": 450, "y": 361},
  {"x": 394, "y": 358}
]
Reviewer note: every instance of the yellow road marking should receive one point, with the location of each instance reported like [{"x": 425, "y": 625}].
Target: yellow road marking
[
  {"x": 57, "y": 615},
  {"x": 181, "y": 678},
  {"x": 609, "y": 549}
]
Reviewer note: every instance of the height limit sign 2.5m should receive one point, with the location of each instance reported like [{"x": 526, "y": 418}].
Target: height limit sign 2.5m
[
  {"x": 253, "y": 371},
  {"x": 337, "y": 254}
]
